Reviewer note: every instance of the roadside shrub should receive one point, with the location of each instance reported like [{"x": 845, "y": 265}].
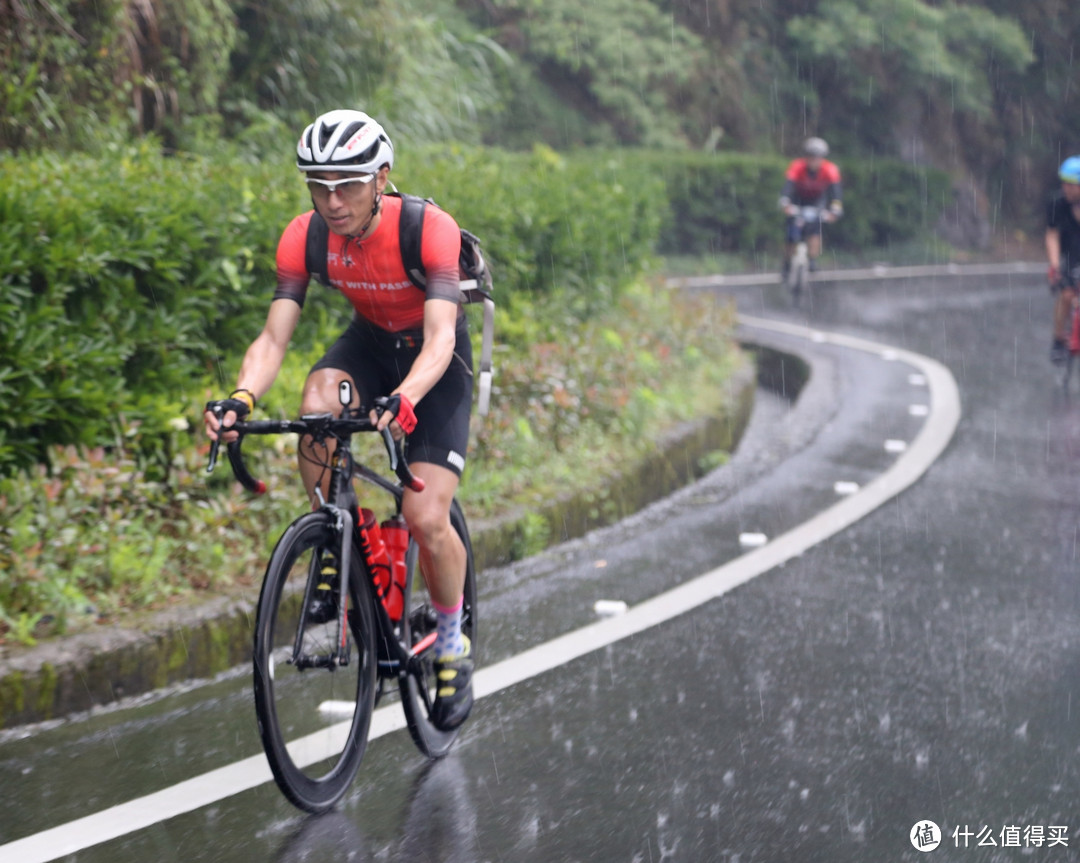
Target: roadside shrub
[
  {"x": 99, "y": 535},
  {"x": 724, "y": 202},
  {"x": 120, "y": 280},
  {"x": 127, "y": 279},
  {"x": 581, "y": 224}
]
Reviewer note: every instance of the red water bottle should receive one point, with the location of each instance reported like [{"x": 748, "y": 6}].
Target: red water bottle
[
  {"x": 396, "y": 536},
  {"x": 373, "y": 548}
]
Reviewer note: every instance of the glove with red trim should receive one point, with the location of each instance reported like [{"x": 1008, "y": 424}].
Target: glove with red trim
[{"x": 400, "y": 408}]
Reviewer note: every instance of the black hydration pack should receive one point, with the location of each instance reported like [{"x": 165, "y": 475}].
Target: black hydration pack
[{"x": 473, "y": 272}]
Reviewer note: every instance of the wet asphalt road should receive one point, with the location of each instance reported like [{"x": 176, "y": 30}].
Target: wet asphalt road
[{"x": 923, "y": 664}]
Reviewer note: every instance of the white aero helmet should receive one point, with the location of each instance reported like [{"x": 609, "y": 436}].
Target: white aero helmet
[
  {"x": 815, "y": 147},
  {"x": 344, "y": 140}
]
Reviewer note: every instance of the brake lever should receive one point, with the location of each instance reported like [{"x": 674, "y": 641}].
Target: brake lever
[
  {"x": 215, "y": 445},
  {"x": 397, "y": 462},
  {"x": 391, "y": 448}
]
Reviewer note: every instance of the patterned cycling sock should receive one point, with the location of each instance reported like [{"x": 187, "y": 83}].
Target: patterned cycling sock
[{"x": 448, "y": 639}]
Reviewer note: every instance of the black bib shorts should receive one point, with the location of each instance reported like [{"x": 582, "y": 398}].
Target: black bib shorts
[{"x": 378, "y": 362}]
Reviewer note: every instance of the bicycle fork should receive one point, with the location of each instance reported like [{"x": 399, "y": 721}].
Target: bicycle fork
[{"x": 343, "y": 527}]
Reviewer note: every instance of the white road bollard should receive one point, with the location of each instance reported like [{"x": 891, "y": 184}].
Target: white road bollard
[
  {"x": 610, "y": 607},
  {"x": 752, "y": 540}
]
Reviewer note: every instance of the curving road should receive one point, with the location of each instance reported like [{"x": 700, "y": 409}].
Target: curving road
[{"x": 889, "y": 657}]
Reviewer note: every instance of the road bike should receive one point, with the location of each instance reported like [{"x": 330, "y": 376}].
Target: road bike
[
  {"x": 318, "y": 677},
  {"x": 798, "y": 272}
]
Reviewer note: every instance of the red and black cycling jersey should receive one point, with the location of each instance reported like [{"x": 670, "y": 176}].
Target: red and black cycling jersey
[
  {"x": 812, "y": 188},
  {"x": 370, "y": 272}
]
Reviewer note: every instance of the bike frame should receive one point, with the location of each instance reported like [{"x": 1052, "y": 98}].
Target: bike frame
[{"x": 344, "y": 507}]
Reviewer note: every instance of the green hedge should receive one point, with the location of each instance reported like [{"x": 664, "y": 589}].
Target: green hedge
[
  {"x": 728, "y": 202},
  {"x": 128, "y": 280},
  {"x": 119, "y": 279},
  {"x": 125, "y": 280},
  {"x": 583, "y": 224}
]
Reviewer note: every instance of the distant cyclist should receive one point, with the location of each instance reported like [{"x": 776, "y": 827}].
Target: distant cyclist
[
  {"x": 811, "y": 181},
  {"x": 1063, "y": 254}
]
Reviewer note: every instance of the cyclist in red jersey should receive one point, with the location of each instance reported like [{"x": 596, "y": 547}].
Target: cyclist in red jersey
[
  {"x": 409, "y": 344},
  {"x": 811, "y": 181}
]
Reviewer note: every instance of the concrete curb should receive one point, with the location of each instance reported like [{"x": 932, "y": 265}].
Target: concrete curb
[
  {"x": 864, "y": 274},
  {"x": 76, "y": 673}
]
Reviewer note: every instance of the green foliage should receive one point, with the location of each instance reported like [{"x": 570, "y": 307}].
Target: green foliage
[
  {"x": 100, "y": 534},
  {"x": 416, "y": 65},
  {"x": 616, "y": 378},
  {"x": 53, "y": 86},
  {"x": 581, "y": 226},
  {"x": 74, "y": 72},
  {"x": 122, "y": 278},
  {"x": 104, "y": 533},
  {"x": 909, "y": 45},
  {"x": 728, "y": 202},
  {"x": 125, "y": 278},
  {"x": 627, "y": 59}
]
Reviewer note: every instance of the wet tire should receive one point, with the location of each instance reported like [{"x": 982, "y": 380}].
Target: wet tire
[
  {"x": 324, "y": 713},
  {"x": 417, "y": 684},
  {"x": 798, "y": 277}
]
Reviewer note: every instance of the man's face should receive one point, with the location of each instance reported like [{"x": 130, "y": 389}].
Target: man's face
[
  {"x": 1071, "y": 192},
  {"x": 813, "y": 162},
  {"x": 347, "y": 202}
]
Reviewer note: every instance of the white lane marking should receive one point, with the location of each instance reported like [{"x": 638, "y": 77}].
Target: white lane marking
[
  {"x": 919, "y": 410},
  {"x": 610, "y": 607},
  {"x": 895, "y": 446},
  {"x": 752, "y": 540},
  {"x": 337, "y": 709},
  {"x": 243, "y": 775},
  {"x": 843, "y": 487},
  {"x": 917, "y": 380}
]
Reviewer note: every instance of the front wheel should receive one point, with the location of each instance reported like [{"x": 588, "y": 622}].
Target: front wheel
[
  {"x": 417, "y": 681},
  {"x": 798, "y": 274},
  {"x": 313, "y": 713}
]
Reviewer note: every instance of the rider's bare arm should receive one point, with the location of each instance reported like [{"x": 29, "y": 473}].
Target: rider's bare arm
[
  {"x": 263, "y": 359},
  {"x": 1053, "y": 247}
]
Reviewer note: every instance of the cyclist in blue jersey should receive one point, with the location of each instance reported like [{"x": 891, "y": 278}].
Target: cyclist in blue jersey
[{"x": 1063, "y": 254}]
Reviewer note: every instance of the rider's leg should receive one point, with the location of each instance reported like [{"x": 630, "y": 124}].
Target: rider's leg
[
  {"x": 442, "y": 554},
  {"x": 813, "y": 244},
  {"x": 1063, "y": 313},
  {"x": 443, "y": 561},
  {"x": 785, "y": 267},
  {"x": 320, "y": 396}
]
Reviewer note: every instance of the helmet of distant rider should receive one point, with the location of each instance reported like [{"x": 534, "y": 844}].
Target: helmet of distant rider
[
  {"x": 815, "y": 147},
  {"x": 344, "y": 140},
  {"x": 1070, "y": 170}
]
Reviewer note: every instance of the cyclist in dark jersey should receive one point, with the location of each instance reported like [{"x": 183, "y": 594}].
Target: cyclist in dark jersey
[
  {"x": 812, "y": 181},
  {"x": 1063, "y": 253},
  {"x": 409, "y": 344}
]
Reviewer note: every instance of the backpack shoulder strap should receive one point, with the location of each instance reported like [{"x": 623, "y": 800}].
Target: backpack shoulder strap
[
  {"x": 410, "y": 237},
  {"x": 318, "y": 233}
]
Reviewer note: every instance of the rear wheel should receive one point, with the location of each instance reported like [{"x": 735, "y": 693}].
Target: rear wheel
[
  {"x": 313, "y": 720},
  {"x": 417, "y": 680}
]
